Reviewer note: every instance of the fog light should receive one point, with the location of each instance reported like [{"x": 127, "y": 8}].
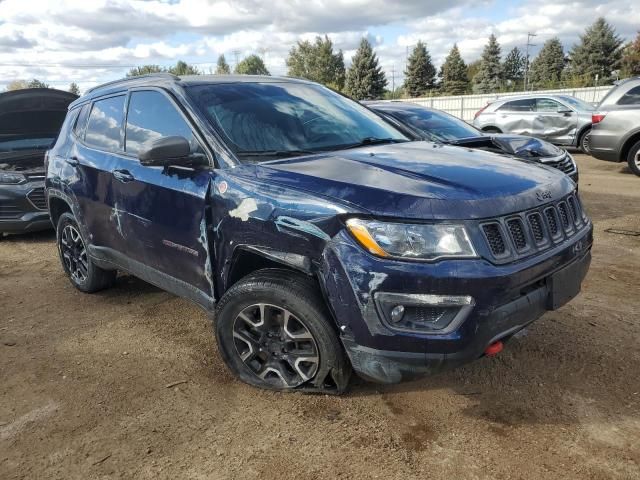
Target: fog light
[
  {"x": 397, "y": 313},
  {"x": 435, "y": 314}
]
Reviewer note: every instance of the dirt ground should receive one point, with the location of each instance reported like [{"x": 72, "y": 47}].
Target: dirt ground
[{"x": 86, "y": 385}]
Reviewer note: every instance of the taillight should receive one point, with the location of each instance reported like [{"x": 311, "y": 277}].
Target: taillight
[
  {"x": 480, "y": 111},
  {"x": 597, "y": 117}
]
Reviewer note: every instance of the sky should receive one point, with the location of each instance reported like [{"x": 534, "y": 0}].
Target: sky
[{"x": 93, "y": 41}]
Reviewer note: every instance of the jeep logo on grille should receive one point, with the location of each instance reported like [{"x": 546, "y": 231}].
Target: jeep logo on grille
[{"x": 543, "y": 195}]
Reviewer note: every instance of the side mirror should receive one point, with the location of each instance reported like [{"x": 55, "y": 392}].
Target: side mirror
[{"x": 170, "y": 151}]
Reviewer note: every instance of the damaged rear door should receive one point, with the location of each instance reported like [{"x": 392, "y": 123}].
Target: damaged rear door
[
  {"x": 554, "y": 121},
  {"x": 163, "y": 209}
]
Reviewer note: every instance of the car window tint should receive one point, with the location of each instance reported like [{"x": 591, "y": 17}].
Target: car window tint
[
  {"x": 151, "y": 116},
  {"x": 548, "y": 105},
  {"x": 526, "y": 105},
  {"x": 632, "y": 97},
  {"x": 81, "y": 121},
  {"x": 105, "y": 121}
]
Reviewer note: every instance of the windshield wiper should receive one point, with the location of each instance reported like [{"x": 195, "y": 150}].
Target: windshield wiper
[
  {"x": 370, "y": 141},
  {"x": 274, "y": 153}
]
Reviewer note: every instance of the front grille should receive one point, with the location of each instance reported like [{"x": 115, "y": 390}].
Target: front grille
[
  {"x": 37, "y": 198},
  {"x": 535, "y": 222},
  {"x": 9, "y": 211},
  {"x": 517, "y": 233},
  {"x": 552, "y": 221},
  {"x": 494, "y": 237},
  {"x": 564, "y": 215},
  {"x": 525, "y": 233},
  {"x": 564, "y": 164}
]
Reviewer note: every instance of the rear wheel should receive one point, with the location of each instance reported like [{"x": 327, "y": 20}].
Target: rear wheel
[
  {"x": 583, "y": 142},
  {"x": 633, "y": 158},
  {"x": 76, "y": 262},
  {"x": 274, "y": 332}
]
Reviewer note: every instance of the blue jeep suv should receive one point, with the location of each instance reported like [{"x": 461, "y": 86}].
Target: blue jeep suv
[{"x": 321, "y": 239}]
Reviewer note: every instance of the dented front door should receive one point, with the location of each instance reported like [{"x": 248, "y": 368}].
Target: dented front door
[{"x": 554, "y": 121}]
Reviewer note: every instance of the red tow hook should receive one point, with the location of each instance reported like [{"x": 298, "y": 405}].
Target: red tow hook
[{"x": 493, "y": 349}]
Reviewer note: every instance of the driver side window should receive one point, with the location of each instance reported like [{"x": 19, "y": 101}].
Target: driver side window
[{"x": 152, "y": 116}]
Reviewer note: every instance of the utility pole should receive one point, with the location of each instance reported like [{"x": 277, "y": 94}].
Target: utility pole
[
  {"x": 236, "y": 53},
  {"x": 526, "y": 64},
  {"x": 393, "y": 82}
]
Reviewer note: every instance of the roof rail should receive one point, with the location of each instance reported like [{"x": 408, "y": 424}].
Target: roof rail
[{"x": 137, "y": 77}]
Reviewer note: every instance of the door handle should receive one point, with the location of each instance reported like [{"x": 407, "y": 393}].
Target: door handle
[
  {"x": 73, "y": 161},
  {"x": 123, "y": 176}
]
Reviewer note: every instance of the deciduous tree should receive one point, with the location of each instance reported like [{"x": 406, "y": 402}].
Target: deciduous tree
[
  {"x": 317, "y": 62},
  {"x": 252, "y": 65}
]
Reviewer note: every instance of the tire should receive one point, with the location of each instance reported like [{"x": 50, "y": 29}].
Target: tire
[
  {"x": 583, "y": 142},
  {"x": 491, "y": 130},
  {"x": 274, "y": 332},
  {"x": 77, "y": 264},
  {"x": 633, "y": 158}
]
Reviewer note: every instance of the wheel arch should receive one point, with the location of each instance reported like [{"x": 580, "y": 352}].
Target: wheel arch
[
  {"x": 248, "y": 259},
  {"x": 628, "y": 143},
  {"x": 57, "y": 206}
]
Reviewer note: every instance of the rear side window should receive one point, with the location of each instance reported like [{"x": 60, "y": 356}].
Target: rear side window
[
  {"x": 105, "y": 123},
  {"x": 152, "y": 116},
  {"x": 526, "y": 105},
  {"x": 632, "y": 97},
  {"x": 548, "y": 105},
  {"x": 81, "y": 121}
]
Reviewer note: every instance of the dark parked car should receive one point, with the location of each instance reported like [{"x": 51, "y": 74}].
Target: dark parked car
[
  {"x": 616, "y": 125},
  {"x": 559, "y": 119},
  {"x": 30, "y": 120},
  {"x": 321, "y": 237},
  {"x": 423, "y": 123}
]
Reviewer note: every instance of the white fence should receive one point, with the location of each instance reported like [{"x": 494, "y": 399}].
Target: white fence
[{"x": 465, "y": 106}]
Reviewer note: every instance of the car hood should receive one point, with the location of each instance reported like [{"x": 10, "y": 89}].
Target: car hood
[
  {"x": 421, "y": 180},
  {"x": 33, "y": 111},
  {"x": 521, "y": 146}
]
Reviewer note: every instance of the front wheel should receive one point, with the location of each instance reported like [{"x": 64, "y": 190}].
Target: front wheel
[
  {"x": 633, "y": 158},
  {"x": 76, "y": 262},
  {"x": 274, "y": 332}
]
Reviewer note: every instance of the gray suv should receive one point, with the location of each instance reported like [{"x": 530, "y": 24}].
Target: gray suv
[
  {"x": 616, "y": 125},
  {"x": 559, "y": 119}
]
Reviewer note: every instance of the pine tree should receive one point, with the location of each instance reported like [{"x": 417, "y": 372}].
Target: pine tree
[
  {"x": 598, "y": 53},
  {"x": 222, "y": 67},
  {"x": 420, "y": 75},
  {"x": 74, "y": 88},
  {"x": 252, "y": 65},
  {"x": 489, "y": 76},
  {"x": 183, "y": 68},
  {"x": 35, "y": 83},
  {"x": 631, "y": 58},
  {"x": 365, "y": 78},
  {"x": 145, "y": 70},
  {"x": 513, "y": 66},
  {"x": 317, "y": 62},
  {"x": 454, "y": 74},
  {"x": 546, "y": 68}
]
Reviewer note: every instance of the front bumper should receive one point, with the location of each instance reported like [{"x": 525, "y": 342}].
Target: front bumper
[
  {"x": 23, "y": 208},
  {"x": 507, "y": 298}
]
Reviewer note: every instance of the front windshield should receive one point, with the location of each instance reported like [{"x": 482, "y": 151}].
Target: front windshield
[
  {"x": 262, "y": 121},
  {"x": 14, "y": 145},
  {"x": 577, "y": 103},
  {"x": 436, "y": 125}
]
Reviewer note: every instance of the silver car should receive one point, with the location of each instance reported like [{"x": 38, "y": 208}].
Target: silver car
[
  {"x": 616, "y": 125},
  {"x": 559, "y": 119}
]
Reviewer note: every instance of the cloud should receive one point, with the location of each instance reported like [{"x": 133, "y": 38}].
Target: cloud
[{"x": 81, "y": 41}]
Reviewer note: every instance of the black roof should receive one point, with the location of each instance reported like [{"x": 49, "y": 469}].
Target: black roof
[{"x": 168, "y": 79}]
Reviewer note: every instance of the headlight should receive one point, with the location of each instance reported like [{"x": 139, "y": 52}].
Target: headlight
[
  {"x": 409, "y": 240},
  {"x": 12, "y": 178}
]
